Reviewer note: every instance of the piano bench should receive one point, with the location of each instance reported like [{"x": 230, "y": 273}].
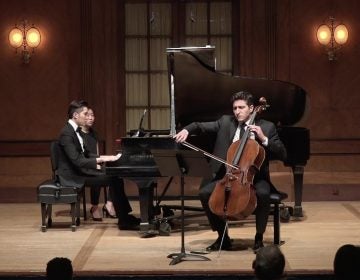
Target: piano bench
[{"x": 49, "y": 193}]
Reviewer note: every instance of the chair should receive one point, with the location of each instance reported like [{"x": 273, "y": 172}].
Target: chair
[{"x": 52, "y": 192}]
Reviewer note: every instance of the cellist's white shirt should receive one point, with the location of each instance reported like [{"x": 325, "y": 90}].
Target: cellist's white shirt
[
  {"x": 251, "y": 136},
  {"x": 237, "y": 132}
]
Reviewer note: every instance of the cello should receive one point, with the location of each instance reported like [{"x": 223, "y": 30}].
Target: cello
[{"x": 234, "y": 196}]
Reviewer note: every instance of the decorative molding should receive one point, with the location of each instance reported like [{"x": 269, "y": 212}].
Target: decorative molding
[
  {"x": 335, "y": 146},
  {"x": 30, "y": 148}
]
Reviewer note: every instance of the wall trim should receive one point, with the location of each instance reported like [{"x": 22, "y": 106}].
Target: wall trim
[{"x": 30, "y": 148}]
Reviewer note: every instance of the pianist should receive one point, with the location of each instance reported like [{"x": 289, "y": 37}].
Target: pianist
[
  {"x": 76, "y": 168},
  {"x": 91, "y": 144},
  {"x": 228, "y": 130}
]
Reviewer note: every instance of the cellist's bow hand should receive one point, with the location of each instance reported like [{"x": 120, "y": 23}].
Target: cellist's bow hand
[
  {"x": 181, "y": 136},
  {"x": 258, "y": 132}
]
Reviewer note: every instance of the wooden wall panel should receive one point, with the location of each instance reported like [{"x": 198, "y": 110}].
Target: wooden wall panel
[
  {"x": 332, "y": 86},
  {"x": 81, "y": 56},
  {"x": 33, "y": 96},
  {"x": 107, "y": 94}
]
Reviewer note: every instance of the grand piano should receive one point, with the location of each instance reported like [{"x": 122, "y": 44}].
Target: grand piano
[{"x": 193, "y": 79}]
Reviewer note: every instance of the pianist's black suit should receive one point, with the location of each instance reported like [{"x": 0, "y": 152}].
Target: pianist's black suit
[
  {"x": 77, "y": 168},
  {"x": 225, "y": 129}
]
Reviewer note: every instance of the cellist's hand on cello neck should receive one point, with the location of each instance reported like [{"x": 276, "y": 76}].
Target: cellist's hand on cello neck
[
  {"x": 259, "y": 133},
  {"x": 181, "y": 136}
]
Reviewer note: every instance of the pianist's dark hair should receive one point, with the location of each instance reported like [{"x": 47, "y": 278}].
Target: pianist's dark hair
[
  {"x": 76, "y": 106},
  {"x": 243, "y": 95}
]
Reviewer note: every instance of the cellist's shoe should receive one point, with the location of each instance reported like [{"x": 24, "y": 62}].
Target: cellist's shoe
[
  {"x": 226, "y": 245},
  {"x": 258, "y": 242}
]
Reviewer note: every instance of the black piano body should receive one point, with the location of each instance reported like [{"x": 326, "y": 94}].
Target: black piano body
[
  {"x": 193, "y": 80},
  {"x": 137, "y": 164}
]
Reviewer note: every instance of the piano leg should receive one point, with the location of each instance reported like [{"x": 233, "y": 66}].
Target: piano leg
[
  {"x": 146, "y": 196},
  {"x": 298, "y": 173}
]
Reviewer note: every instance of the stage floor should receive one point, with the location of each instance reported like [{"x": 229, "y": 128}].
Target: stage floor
[{"x": 100, "y": 248}]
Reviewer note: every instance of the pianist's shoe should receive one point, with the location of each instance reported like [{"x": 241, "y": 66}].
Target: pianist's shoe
[
  {"x": 129, "y": 222},
  {"x": 109, "y": 211},
  {"x": 96, "y": 213}
]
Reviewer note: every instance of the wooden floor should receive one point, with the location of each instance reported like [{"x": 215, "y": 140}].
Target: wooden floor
[{"x": 99, "y": 248}]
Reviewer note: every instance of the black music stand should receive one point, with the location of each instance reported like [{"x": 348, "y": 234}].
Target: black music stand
[{"x": 182, "y": 163}]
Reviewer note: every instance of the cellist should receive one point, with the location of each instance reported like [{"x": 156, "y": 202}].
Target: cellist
[{"x": 228, "y": 130}]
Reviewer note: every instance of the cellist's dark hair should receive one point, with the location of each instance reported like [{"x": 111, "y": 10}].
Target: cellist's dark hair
[
  {"x": 243, "y": 95},
  {"x": 76, "y": 106}
]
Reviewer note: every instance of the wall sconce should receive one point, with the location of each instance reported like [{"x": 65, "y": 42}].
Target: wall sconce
[
  {"x": 332, "y": 37},
  {"x": 26, "y": 37}
]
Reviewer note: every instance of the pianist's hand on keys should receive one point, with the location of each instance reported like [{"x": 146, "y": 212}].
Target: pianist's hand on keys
[{"x": 106, "y": 158}]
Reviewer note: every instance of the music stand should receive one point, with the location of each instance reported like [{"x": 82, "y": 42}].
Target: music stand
[{"x": 182, "y": 163}]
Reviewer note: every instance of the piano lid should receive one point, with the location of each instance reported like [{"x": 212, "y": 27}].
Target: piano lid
[
  {"x": 204, "y": 55},
  {"x": 201, "y": 94}
]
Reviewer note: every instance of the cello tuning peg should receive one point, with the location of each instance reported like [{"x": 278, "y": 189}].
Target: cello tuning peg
[{"x": 262, "y": 100}]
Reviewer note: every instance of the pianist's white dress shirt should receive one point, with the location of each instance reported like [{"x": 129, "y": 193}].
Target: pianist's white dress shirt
[{"x": 75, "y": 126}]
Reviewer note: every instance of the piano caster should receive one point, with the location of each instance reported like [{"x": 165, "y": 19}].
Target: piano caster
[
  {"x": 146, "y": 227},
  {"x": 147, "y": 230},
  {"x": 285, "y": 214},
  {"x": 298, "y": 212},
  {"x": 160, "y": 227},
  {"x": 164, "y": 228}
]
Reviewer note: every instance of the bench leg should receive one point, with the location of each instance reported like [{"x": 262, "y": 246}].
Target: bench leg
[
  {"x": 83, "y": 194},
  {"x": 43, "y": 217},
  {"x": 78, "y": 213},
  {"x": 73, "y": 214},
  {"x": 49, "y": 213},
  {"x": 276, "y": 224}
]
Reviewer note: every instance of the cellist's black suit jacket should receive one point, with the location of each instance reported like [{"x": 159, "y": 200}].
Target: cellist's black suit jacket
[
  {"x": 76, "y": 168},
  {"x": 225, "y": 129}
]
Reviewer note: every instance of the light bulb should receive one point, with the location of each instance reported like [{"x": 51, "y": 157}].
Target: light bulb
[
  {"x": 16, "y": 37},
  {"x": 324, "y": 34},
  {"x": 33, "y": 37},
  {"x": 341, "y": 34}
]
